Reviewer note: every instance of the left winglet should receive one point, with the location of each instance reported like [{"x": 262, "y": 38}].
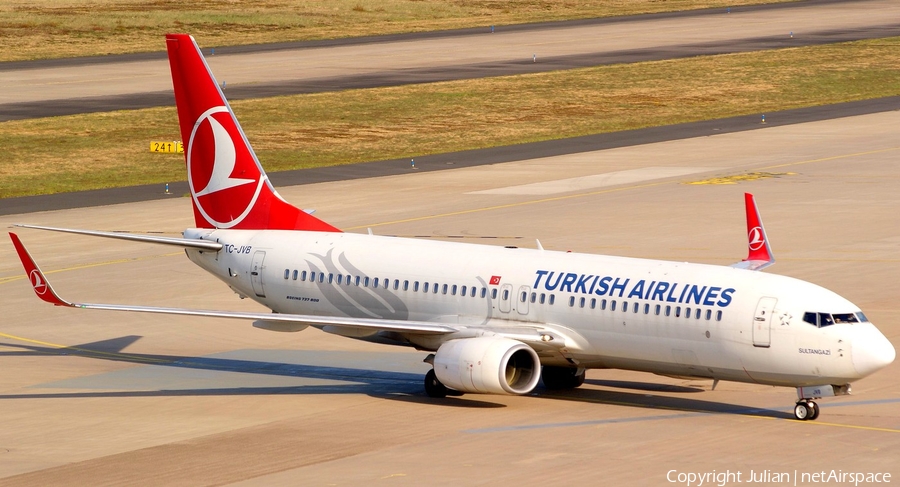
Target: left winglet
[
  {"x": 38, "y": 281},
  {"x": 759, "y": 253}
]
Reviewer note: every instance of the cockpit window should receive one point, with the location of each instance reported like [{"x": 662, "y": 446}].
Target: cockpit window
[
  {"x": 845, "y": 318},
  {"x": 861, "y": 317},
  {"x": 811, "y": 318},
  {"x": 822, "y": 320}
]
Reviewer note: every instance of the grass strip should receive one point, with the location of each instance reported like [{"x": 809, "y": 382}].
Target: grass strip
[
  {"x": 41, "y": 29},
  {"x": 112, "y": 149}
]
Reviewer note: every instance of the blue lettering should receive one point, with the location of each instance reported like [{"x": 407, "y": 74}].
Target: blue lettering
[
  {"x": 669, "y": 297},
  {"x": 593, "y": 285},
  {"x": 552, "y": 287},
  {"x": 696, "y": 294},
  {"x": 581, "y": 283},
  {"x": 683, "y": 291},
  {"x": 649, "y": 289},
  {"x": 637, "y": 290},
  {"x": 620, "y": 287},
  {"x": 568, "y": 281},
  {"x": 726, "y": 297},
  {"x": 604, "y": 286},
  {"x": 711, "y": 295},
  {"x": 537, "y": 281},
  {"x": 660, "y": 290}
]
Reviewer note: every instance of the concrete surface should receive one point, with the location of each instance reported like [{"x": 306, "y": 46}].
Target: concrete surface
[{"x": 102, "y": 398}]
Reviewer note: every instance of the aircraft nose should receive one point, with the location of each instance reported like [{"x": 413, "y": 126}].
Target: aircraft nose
[{"x": 871, "y": 351}]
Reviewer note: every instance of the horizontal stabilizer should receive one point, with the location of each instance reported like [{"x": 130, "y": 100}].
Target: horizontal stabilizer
[{"x": 178, "y": 242}]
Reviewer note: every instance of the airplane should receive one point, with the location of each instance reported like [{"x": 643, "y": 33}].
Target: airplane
[{"x": 493, "y": 319}]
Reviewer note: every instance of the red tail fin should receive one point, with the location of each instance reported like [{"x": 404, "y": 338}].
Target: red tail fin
[{"x": 228, "y": 185}]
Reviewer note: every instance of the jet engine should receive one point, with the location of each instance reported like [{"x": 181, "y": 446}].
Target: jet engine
[{"x": 487, "y": 364}]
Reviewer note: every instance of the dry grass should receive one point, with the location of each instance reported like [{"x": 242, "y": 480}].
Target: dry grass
[
  {"x": 38, "y": 29},
  {"x": 101, "y": 150}
]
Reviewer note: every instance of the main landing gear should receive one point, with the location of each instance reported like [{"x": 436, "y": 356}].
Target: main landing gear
[
  {"x": 806, "y": 409},
  {"x": 433, "y": 386}
]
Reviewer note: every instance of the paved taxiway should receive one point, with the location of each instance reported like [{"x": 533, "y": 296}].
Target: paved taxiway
[
  {"x": 152, "y": 400},
  {"x": 36, "y": 89}
]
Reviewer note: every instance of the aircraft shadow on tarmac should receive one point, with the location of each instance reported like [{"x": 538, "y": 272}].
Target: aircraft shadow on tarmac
[{"x": 392, "y": 385}]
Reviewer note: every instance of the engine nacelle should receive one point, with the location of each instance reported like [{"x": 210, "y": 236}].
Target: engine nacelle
[{"x": 487, "y": 364}]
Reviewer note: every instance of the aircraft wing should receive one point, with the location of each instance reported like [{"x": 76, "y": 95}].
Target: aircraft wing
[
  {"x": 44, "y": 291},
  {"x": 759, "y": 255}
]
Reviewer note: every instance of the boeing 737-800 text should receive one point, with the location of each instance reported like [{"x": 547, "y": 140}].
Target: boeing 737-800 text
[{"x": 496, "y": 319}]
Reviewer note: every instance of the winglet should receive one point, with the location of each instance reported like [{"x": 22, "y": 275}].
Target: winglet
[
  {"x": 38, "y": 281},
  {"x": 759, "y": 253}
]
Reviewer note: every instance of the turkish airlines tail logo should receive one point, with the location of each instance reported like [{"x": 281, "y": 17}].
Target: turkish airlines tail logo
[{"x": 213, "y": 164}]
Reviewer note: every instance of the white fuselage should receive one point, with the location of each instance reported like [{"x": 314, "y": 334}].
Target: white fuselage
[{"x": 663, "y": 317}]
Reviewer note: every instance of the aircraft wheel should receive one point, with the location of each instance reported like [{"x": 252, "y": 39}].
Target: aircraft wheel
[
  {"x": 814, "y": 410},
  {"x": 433, "y": 386},
  {"x": 802, "y": 411},
  {"x": 561, "y": 377}
]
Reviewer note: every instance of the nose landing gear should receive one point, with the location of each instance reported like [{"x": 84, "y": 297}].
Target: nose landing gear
[{"x": 806, "y": 409}]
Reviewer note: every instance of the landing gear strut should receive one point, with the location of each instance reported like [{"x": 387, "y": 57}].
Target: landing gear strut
[
  {"x": 806, "y": 409},
  {"x": 562, "y": 377}
]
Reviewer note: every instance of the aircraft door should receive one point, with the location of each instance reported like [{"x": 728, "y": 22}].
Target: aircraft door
[
  {"x": 256, "y": 274},
  {"x": 762, "y": 322},
  {"x": 522, "y": 300},
  {"x": 505, "y": 298}
]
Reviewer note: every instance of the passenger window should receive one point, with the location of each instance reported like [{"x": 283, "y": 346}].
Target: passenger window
[
  {"x": 434, "y": 288},
  {"x": 524, "y": 297},
  {"x": 416, "y": 287},
  {"x": 406, "y": 285},
  {"x": 340, "y": 278},
  {"x": 581, "y": 303},
  {"x": 552, "y": 299},
  {"x": 612, "y": 305},
  {"x": 483, "y": 292},
  {"x": 303, "y": 276},
  {"x": 453, "y": 290},
  {"x": 634, "y": 308},
  {"x": 543, "y": 296},
  {"x": 287, "y": 272},
  {"x": 494, "y": 293},
  {"x": 321, "y": 277},
  {"x": 375, "y": 283},
  {"x": 366, "y": 282},
  {"x": 357, "y": 280},
  {"x": 296, "y": 274},
  {"x": 678, "y": 311},
  {"x": 348, "y": 279},
  {"x": 533, "y": 297},
  {"x": 593, "y": 303},
  {"x": 330, "y": 278},
  {"x": 697, "y": 314},
  {"x": 312, "y": 276},
  {"x": 646, "y": 309},
  {"x": 505, "y": 294},
  {"x": 668, "y": 310},
  {"x": 571, "y": 301},
  {"x": 462, "y": 291},
  {"x": 719, "y": 315},
  {"x": 624, "y": 306},
  {"x": 472, "y": 292},
  {"x": 444, "y": 289},
  {"x": 425, "y": 287},
  {"x": 603, "y": 304},
  {"x": 687, "y": 312},
  {"x": 396, "y": 284},
  {"x": 658, "y": 307},
  {"x": 708, "y": 314}
]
